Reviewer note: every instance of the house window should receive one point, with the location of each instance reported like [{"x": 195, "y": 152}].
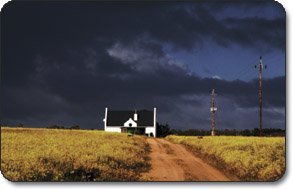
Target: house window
[{"x": 130, "y": 125}]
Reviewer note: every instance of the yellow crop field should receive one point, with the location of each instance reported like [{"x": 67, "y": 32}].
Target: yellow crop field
[
  {"x": 71, "y": 155},
  {"x": 247, "y": 158}
]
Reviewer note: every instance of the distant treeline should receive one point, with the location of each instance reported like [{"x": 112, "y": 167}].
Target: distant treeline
[
  {"x": 62, "y": 127},
  {"x": 55, "y": 126},
  {"x": 163, "y": 130},
  {"x": 230, "y": 132}
]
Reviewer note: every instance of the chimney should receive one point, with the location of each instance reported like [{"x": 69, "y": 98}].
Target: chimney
[{"x": 135, "y": 116}]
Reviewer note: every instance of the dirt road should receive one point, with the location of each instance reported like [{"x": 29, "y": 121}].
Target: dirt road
[{"x": 172, "y": 162}]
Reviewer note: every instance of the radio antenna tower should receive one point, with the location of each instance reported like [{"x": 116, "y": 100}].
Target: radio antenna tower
[
  {"x": 213, "y": 109},
  {"x": 260, "y": 68}
]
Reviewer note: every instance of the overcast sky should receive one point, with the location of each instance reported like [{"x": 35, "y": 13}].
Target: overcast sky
[{"x": 63, "y": 63}]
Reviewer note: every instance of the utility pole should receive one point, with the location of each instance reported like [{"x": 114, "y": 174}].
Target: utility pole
[
  {"x": 213, "y": 109},
  {"x": 260, "y": 94}
]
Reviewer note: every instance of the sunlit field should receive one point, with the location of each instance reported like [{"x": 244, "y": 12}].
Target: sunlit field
[
  {"x": 247, "y": 158},
  {"x": 71, "y": 155}
]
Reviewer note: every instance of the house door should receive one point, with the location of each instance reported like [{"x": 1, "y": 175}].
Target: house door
[
  {"x": 123, "y": 129},
  {"x": 128, "y": 130}
]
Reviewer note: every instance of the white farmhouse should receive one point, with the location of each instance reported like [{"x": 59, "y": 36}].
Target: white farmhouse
[{"x": 139, "y": 122}]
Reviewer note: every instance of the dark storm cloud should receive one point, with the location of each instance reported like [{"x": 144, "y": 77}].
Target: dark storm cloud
[
  {"x": 246, "y": 93},
  {"x": 66, "y": 62},
  {"x": 183, "y": 25},
  {"x": 81, "y": 25},
  {"x": 72, "y": 87},
  {"x": 267, "y": 33}
]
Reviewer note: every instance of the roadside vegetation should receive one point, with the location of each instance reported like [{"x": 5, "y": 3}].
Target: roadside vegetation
[{"x": 247, "y": 158}]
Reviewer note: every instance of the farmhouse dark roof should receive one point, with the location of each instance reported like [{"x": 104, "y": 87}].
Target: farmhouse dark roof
[{"x": 118, "y": 118}]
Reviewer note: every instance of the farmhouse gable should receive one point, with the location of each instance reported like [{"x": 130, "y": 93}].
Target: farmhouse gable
[{"x": 130, "y": 123}]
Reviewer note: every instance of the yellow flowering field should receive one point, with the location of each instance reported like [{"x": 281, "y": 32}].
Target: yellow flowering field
[
  {"x": 247, "y": 158},
  {"x": 29, "y": 154}
]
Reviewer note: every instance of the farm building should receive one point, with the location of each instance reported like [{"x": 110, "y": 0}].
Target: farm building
[{"x": 135, "y": 122}]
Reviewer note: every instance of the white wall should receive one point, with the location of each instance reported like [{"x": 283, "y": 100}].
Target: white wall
[
  {"x": 113, "y": 129},
  {"x": 105, "y": 119},
  {"x": 150, "y": 130},
  {"x": 154, "y": 121}
]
